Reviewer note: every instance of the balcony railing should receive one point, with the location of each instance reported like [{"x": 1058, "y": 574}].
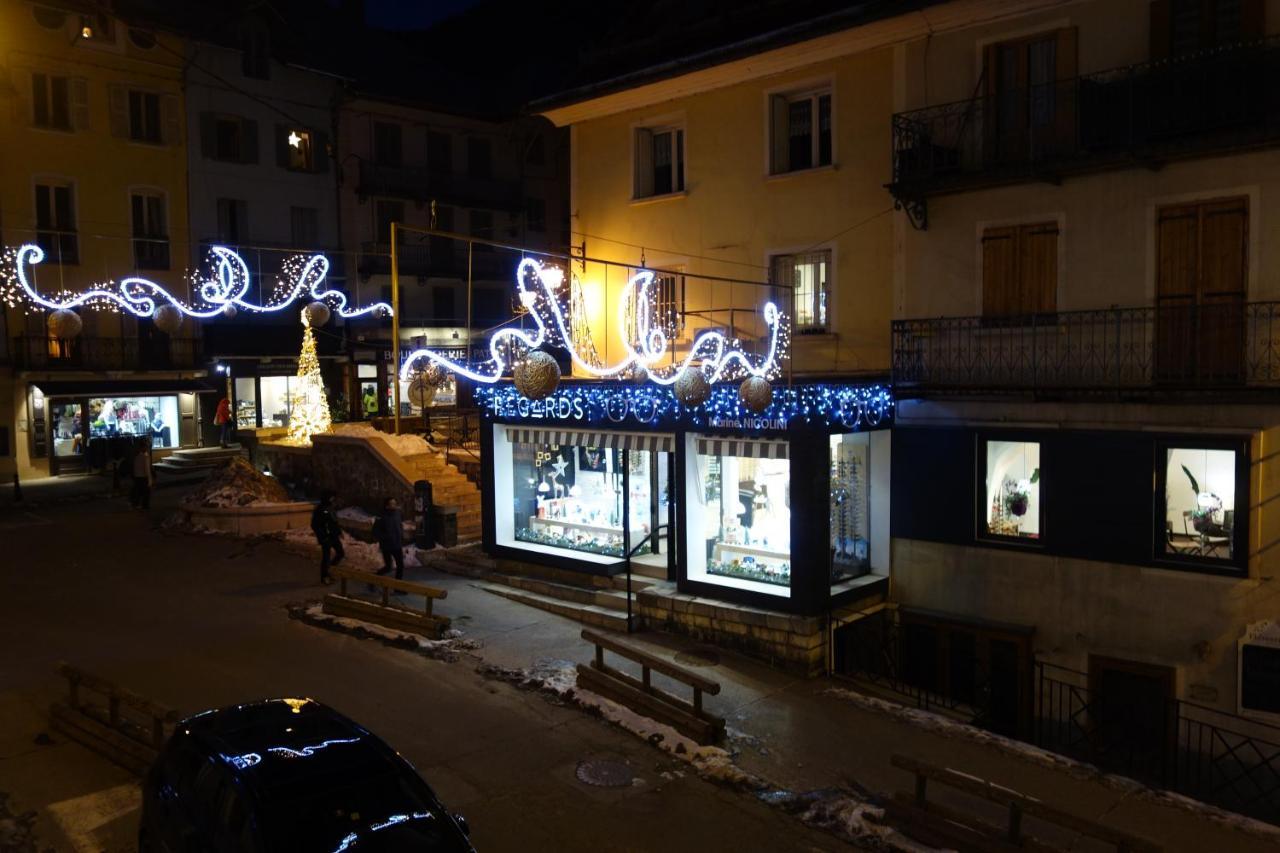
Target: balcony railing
[
  {"x": 441, "y": 258},
  {"x": 1216, "y": 101},
  {"x": 1151, "y": 349},
  {"x": 37, "y": 352},
  {"x": 425, "y": 184}
]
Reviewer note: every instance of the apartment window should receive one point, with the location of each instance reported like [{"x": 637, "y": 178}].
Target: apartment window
[
  {"x": 56, "y": 224},
  {"x": 1032, "y": 113},
  {"x": 51, "y": 101},
  {"x": 304, "y": 228},
  {"x": 1182, "y": 27},
  {"x": 384, "y": 213},
  {"x": 230, "y": 139},
  {"x": 659, "y": 161},
  {"x": 233, "y": 221},
  {"x": 801, "y": 128},
  {"x": 808, "y": 276},
  {"x": 298, "y": 149},
  {"x": 144, "y": 117},
  {"x": 1020, "y": 270},
  {"x": 387, "y": 148},
  {"x": 439, "y": 152},
  {"x": 1012, "y": 506},
  {"x": 535, "y": 214},
  {"x": 443, "y": 300},
  {"x": 1197, "y": 518},
  {"x": 479, "y": 158},
  {"x": 150, "y": 231},
  {"x": 669, "y": 304},
  {"x": 142, "y": 39}
]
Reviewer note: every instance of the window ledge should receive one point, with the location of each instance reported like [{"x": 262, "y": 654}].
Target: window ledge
[
  {"x": 812, "y": 170},
  {"x": 825, "y": 336},
  {"x": 654, "y": 199}
]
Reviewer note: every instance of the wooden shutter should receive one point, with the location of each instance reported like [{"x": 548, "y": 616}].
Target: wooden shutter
[
  {"x": 79, "y": 103},
  {"x": 1224, "y": 258},
  {"x": 780, "y": 143},
  {"x": 118, "y": 106},
  {"x": 1038, "y": 268},
  {"x": 999, "y": 271},
  {"x": 1161, "y": 18},
  {"x": 248, "y": 141},
  {"x": 1177, "y": 252},
  {"x": 170, "y": 119},
  {"x": 319, "y": 151},
  {"x": 644, "y": 163},
  {"x": 208, "y": 136}
]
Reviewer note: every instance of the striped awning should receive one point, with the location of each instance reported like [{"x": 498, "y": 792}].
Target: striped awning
[
  {"x": 652, "y": 441},
  {"x": 743, "y": 447}
]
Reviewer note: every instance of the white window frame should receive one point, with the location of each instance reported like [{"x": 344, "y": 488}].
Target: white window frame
[
  {"x": 823, "y": 302},
  {"x": 159, "y": 128},
  {"x": 165, "y": 233},
  {"x": 51, "y": 180},
  {"x": 642, "y": 157},
  {"x": 776, "y": 122}
]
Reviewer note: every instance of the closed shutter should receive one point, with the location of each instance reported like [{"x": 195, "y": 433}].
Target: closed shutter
[
  {"x": 1161, "y": 36},
  {"x": 1038, "y": 269},
  {"x": 1224, "y": 261},
  {"x": 248, "y": 141},
  {"x": 171, "y": 119},
  {"x": 118, "y": 107},
  {"x": 999, "y": 271},
  {"x": 1177, "y": 256},
  {"x": 320, "y": 151},
  {"x": 208, "y": 136},
  {"x": 79, "y": 103},
  {"x": 644, "y": 163},
  {"x": 779, "y": 138}
]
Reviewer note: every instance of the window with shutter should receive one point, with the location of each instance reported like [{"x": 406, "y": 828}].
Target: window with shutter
[
  {"x": 805, "y": 279},
  {"x": 150, "y": 231},
  {"x": 1033, "y": 104},
  {"x": 1183, "y": 27},
  {"x": 387, "y": 149},
  {"x": 228, "y": 139},
  {"x": 800, "y": 126},
  {"x": 233, "y": 221},
  {"x": 1020, "y": 270},
  {"x": 659, "y": 161},
  {"x": 51, "y": 101},
  {"x": 55, "y": 223},
  {"x": 144, "y": 117},
  {"x": 305, "y": 227},
  {"x": 385, "y": 212}
]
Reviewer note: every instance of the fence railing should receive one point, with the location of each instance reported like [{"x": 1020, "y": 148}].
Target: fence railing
[
  {"x": 424, "y": 184},
  {"x": 1211, "y": 101},
  {"x": 1220, "y": 345},
  {"x": 103, "y": 353}
]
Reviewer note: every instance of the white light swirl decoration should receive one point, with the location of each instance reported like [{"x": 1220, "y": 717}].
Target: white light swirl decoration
[
  {"x": 229, "y": 286},
  {"x": 711, "y": 351}
]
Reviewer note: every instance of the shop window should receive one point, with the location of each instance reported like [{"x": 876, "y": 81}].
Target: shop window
[
  {"x": 277, "y": 400},
  {"x": 367, "y": 374},
  {"x": 1012, "y": 508},
  {"x": 134, "y": 417},
  {"x": 807, "y": 276},
  {"x": 659, "y": 161},
  {"x": 68, "y": 429},
  {"x": 55, "y": 223},
  {"x": 246, "y": 402},
  {"x": 850, "y": 505},
  {"x": 1200, "y": 523},
  {"x": 739, "y": 502},
  {"x": 800, "y": 129},
  {"x": 1020, "y": 270}
]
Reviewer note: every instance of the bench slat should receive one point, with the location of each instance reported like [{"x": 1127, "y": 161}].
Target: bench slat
[
  {"x": 655, "y": 663},
  {"x": 386, "y": 582}
]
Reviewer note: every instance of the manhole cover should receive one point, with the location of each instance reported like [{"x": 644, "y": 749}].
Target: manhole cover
[
  {"x": 698, "y": 658},
  {"x": 604, "y": 774}
]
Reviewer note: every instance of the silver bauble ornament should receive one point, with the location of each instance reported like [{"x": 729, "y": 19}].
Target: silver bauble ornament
[
  {"x": 421, "y": 391},
  {"x": 756, "y": 393},
  {"x": 317, "y": 314},
  {"x": 64, "y": 323},
  {"x": 229, "y": 311},
  {"x": 537, "y": 376},
  {"x": 692, "y": 388},
  {"x": 168, "y": 319}
]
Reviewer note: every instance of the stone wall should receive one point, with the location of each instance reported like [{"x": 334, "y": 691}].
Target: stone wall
[{"x": 357, "y": 473}]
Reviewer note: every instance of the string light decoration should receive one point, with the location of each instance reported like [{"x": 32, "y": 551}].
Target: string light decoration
[
  {"x": 717, "y": 356},
  {"x": 220, "y": 295},
  {"x": 580, "y": 332},
  {"x": 309, "y": 414}
]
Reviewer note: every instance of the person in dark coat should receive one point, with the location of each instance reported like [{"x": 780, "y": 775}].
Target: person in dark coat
[
  {"x": 324, "y": 524},
  {"x": 140, "y": 495},
  {"x": 388, "y": 530}
]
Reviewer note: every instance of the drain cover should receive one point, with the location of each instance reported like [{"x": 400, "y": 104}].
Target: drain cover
[
  {"x": 604, "y": 774},
  {"x": 698, "y": 658}
]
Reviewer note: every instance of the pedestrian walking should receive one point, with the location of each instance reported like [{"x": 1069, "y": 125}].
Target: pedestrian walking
[
  {"x": 222, "y": 419},
  {"x": 388, "y": 530},
  {"x": 324, "y": 524},
  {"x": 140, "y": 495}
]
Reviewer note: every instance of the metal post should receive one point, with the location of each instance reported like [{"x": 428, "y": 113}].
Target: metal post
[
  {"x": 395, "y": 326},
  {"x": 626, "y": 526}
]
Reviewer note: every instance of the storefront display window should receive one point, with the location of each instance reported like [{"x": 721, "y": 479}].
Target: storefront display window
[
  {"x": 1200, "y": 503},
  {"x": 246, "y": 403},
  {"x": 739, "y": 497},
  {"x": 277, "y": 400},
  {"x": 68, "y": 430},
  {"x": 156, "y": 417},
  {"x": 1012, "y": 507},
  {"x": 850, "y": 505}
]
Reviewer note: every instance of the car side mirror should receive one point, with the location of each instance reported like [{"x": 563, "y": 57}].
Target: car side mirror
[{"x": 462, "y": 824}]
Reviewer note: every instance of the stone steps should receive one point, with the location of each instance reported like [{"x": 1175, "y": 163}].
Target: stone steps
[
  {"x": 197, "y": 459},
  {"x": 610, "y": 599},
  {"x": 588, "y": 614}
]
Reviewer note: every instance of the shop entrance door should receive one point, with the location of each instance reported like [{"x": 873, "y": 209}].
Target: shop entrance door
[
  {"x": 69, "y": 436},
  {"x": 650, "y": 475}
]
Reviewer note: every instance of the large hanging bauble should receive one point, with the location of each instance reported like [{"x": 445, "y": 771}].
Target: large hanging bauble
[
  {"x": 756, "y": 393},
  {"x": 168, "y": 319},
  {"x": 64, "y": 324},
  {"x": 434, "y": 374},
  {"x": 229, "y": 311},
  {"x": 317, "y": 314},
  {"x": 692, "y": 388},
  {"x": 422, "y": 391},
  {"x": 537, "y": 376}
]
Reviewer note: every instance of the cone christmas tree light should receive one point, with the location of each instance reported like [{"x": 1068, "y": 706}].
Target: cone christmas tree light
[{"x": 310, "y": 411}]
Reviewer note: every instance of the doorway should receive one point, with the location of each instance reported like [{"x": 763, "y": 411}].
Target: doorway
[
  {"x": 1131, "y": 715},
  {"x": 656, "y": 470}
]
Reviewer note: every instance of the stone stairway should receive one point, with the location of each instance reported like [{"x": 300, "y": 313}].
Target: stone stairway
[
  {"x": 196, "y": 461},
  {"x": 449, "y": 487}
]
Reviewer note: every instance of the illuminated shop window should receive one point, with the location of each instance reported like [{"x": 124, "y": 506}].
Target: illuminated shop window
[
  {"x": 850, "y": 505},
  {"x": 134, "y": 417},
  {"x": 1200, "y": 503},
  {"x": 1012, "y": 508},
  {"x": 739, "y": 512}
]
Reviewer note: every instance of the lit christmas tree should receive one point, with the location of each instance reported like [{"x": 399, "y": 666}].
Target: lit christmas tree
[{"x": 310, "y": 412}]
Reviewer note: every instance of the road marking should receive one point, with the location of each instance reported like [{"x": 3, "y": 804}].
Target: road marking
[{"x": 79, "y": 817}]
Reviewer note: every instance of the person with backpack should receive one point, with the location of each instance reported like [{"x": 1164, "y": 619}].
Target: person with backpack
[
  {"x": 388, "y": 532},
  {"x": 324, "y": 524}
]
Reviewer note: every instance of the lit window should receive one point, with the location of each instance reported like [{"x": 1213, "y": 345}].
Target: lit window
[
  {"x": 298, "y": 148},
  {"x": 849, "y": 504},
  {"x": 1012, "y": 509},
  {"x": 659, "y": 161},
  {"x": 807, "y": 277},
  {"x": 1200, "y": 504},
  {"x": 800, "y": 125}
]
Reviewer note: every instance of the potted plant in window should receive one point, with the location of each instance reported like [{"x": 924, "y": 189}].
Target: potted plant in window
[
  {"x": 1207, "y": 504},
  {"x": 1017, "y": 494}
]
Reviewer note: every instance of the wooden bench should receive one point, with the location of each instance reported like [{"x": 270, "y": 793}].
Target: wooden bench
[
  {"x": 125, "y": 727},
  {"x": 942, "y": 826},
  {"x": 688, "y": 718},
  {"x": 388, "y": 615}
]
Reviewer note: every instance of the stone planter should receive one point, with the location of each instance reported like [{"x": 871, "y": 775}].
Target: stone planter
[{"x": 252, "y": 519}]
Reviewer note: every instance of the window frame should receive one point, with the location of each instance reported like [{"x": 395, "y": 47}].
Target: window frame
[
  {"x": 644, "y": 188},
  {"x": 305, "y": 149},
  {"x": 49, "y": 102},
  {"x": 1020, "y": 229},
  {"x": 1238, "y": 564},
  {"x": 812, "y": 92},
  {"x": 823, "y": 304},
  {"x": 980, "y": 532},
  {"x": 377, "y": 218},
  {"x": 138, "y": 119},
  {"x": 150, "y": 238},
  {"x": 62, "y": 233}
]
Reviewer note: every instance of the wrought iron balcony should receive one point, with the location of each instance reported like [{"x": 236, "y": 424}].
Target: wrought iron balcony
[
  {"x": 423, "y": 185},
  {"x": 1208, "y": 103},
  {"x": 37, "y": 352},
  {"x": 1211, "y": 347}
]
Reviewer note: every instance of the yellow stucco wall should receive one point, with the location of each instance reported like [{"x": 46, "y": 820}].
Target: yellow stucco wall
[{"x": 734, "y": 215}]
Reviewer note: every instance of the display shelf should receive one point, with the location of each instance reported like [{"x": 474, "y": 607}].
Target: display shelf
[{"x": 747, "y": 551}]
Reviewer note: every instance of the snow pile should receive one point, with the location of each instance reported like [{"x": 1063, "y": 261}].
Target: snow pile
[
  {"x": 237, "y": 483},
  {"x": 449, "y": 648},
  {"x": 405, "y": 445}
]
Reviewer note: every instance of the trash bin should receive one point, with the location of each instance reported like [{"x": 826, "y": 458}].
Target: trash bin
[
  {"x": 444, "y": 525},
  {"x": 422, "y": 536}
]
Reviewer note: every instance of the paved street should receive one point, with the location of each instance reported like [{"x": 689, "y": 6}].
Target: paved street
[{"x": 196, "y": 622}]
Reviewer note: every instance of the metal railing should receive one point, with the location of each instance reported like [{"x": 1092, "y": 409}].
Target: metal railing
[
  {"x": 1216, "y": 100},
  {"x": 1224, "y": 345},
  {"x": 102, "y": 353}
]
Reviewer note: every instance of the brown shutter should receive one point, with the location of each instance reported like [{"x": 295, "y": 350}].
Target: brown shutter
[
  {"x": 1161, "y": 34},
  {"x": 1177, "y": 252},
  {"x": 79, "y": 103},
  {"x": 118, "y": 104},
  {"x": 999, "y": 271},
  {"x": 1038, "y": 268},
  {"x": 1253, "y": 20},
  {"x": 1065, "y": 93},
  {"x": 989, "y": 114},
  {"x": 1224, "y": 247}
]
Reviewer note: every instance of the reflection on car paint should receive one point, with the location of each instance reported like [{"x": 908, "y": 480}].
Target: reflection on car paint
[{"x": 286, "y": 752}]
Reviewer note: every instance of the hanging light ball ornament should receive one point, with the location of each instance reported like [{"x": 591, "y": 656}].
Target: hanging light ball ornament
[
  {"x": 317, "y": 314},
  {"x": 434, "y": 374},
  {"x": 64, "y": 324},
  {"x": 692, "y": 388},
  {"x": 229, "y": 311},
  {"x": 537, "y": 376},
  {"x": 756, "y": 393},
  {"x": 168, "y": 319}
]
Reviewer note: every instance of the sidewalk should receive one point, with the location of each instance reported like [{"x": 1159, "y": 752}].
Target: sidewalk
[
  {"x": 68, "y": 488},
  {"x": 805, "y": 735}
]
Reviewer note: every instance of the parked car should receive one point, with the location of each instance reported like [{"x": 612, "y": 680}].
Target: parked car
[{"x": 288, "y": 775}]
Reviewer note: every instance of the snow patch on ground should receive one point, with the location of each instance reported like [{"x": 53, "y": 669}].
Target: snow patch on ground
[
  {"x": 366, "y": 556},
  {"x": 405, "y": 445},
  {"x": 450, "y": 648}
]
